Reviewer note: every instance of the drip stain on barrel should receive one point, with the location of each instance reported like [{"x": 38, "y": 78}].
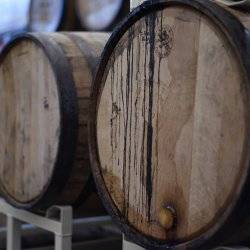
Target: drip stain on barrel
[{"x": 174, "y": 103}]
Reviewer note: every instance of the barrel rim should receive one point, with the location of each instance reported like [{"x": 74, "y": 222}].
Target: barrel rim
[
  {"x": 67, "y": 98},
  {"x": 236, "y": 34}
]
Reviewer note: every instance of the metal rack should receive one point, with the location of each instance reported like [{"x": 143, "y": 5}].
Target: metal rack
[
  {"x": 127, "y": 245},
  {"x": 58, "y": 220}
]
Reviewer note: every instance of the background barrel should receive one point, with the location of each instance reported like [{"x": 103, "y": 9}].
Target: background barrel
[
  {"x": 36, "y": 16},
  {"x": 170, "y": 125},
  {"x": 52, "y": 15},
  {"x": 45, "y": 82},
  {"x": 14, "y": 15},
  {"x": 101, "y": 14}
]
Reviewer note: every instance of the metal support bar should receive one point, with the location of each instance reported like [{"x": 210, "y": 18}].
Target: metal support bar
[
  {"x": 63, "y": 243},
  {"x": 58, "y": 220},
  {"x": 127, "y": 245},
  {"x": 13, "y": 233}
]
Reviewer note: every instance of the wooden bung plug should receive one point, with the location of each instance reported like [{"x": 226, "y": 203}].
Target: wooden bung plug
[{"x": 167, "y": 218}]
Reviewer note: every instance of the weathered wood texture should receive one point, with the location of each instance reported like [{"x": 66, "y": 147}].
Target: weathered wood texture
[
  {"x": 171, "y": 120},
  {"x": 240, "y": 9},
  {"x": 24, "y": 117},
  {"x": 45, "y": 82}
]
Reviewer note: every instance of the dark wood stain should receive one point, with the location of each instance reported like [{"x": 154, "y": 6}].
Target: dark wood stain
[
  {"x": 149, "y": 186},
  {"x": 126, "y": 106}
]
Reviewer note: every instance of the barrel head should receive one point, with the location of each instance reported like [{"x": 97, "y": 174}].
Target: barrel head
[
  {"x": 46, "y": 15},
  {"x": 171, "y": 122},
  {"x": 30, "y": 127}
]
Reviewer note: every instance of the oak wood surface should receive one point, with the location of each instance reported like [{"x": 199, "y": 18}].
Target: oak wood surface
[
  {"x": 34, "y": 109},
  {"x": 30, "y": 111},
  {"x": 172, "y": 122}
]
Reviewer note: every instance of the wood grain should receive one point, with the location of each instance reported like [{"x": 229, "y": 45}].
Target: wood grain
[
  {"x": 171, "y": 123},
  {"x": 83, "y": 70},
  {"x": 30, "y": 111},
  {"x": 38, "y": 128}
]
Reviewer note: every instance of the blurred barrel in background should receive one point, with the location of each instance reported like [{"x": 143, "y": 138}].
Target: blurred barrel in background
[
  {"x": 14, "y": 15},
  {"x": 51, "y": 15},
  {"x": 36, "y": 16},
  {"x": 45, "y": 83},
  {"x": 14, "y": 19},
  {"x": 101, "y": 14},
  {"x": 170, "y": 125},
  {"x": 59, "y": 15}
]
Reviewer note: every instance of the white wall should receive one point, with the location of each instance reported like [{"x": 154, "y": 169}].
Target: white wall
[{"x": 135, "y": 3}]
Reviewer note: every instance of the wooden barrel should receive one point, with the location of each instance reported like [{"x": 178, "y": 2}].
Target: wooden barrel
[
  {"x": 169, "y": 125},
  {"x": 52, "y": 15},
  {"x": 45, "y": 82},
  {"x": 101, "y": 14}
]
